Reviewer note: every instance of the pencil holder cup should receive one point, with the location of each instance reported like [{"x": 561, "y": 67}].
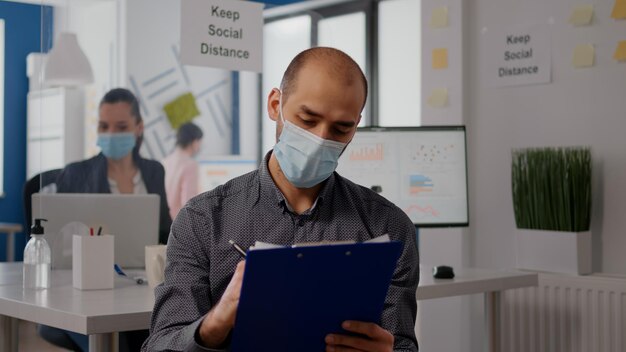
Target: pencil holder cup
[{"x": 92, "y": 262}]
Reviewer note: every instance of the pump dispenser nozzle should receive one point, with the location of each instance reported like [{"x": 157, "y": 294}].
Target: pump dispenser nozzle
[{"x": 37, "y": 229}]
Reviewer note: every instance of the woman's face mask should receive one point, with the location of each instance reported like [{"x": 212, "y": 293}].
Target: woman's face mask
[
  {"x": 116, "y": 145},
  {"x": 117, "y": 130},
  {"x": 305, "y": 159}
]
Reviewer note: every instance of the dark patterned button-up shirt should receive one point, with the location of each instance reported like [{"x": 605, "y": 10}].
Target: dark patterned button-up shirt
[{"x": 201, "y": 262}]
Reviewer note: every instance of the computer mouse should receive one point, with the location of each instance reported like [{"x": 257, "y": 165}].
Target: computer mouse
[{"x": 443, "y": 272}]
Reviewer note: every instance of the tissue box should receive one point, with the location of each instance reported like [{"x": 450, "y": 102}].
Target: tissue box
[{"x": 92, "y": 262}]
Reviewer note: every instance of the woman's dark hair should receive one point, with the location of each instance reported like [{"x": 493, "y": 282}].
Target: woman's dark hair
[
  {"x": 187, "y": 134},
  {"x": 122, "y": 95}
]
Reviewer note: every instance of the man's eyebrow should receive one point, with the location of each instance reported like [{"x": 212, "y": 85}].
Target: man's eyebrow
[
  {"x": 308, "y": 111},
  {"x": 346, "y": 123}
]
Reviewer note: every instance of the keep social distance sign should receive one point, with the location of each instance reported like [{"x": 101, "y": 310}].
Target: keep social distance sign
[{"x": 224, "y": 34}]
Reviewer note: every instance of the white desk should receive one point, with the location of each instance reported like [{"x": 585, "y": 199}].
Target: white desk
[
  {"x": 10, "y": 229},
  {"x": 468, "y": 281},
  {"x": 101, "y": 314}
]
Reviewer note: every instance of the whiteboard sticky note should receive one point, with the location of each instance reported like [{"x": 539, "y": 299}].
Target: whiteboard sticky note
[
  {"x": 583, "y": 56},
  {"x": 581, "y": 15},
  {"x": 620, "y": 51},
  {"x": 438, "y": 98},
  {"x": 439, "y": 17},
  {"x": 619, "y": 10},
  {"x": 440, "y": 58}
]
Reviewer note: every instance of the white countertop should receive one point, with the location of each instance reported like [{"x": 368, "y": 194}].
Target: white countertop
[
  {"x": 127, "y": 307},
  {"x": 469, "y": 281}
]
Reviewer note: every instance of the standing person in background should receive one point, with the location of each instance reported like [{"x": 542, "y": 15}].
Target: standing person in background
[{"x": 181, "y": 170}]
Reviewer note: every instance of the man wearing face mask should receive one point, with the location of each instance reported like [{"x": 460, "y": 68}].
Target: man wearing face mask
[{"x": 294, "y": 196}]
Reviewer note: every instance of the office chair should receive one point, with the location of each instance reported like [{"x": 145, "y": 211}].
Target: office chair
[{"x": 34, "y": 185}]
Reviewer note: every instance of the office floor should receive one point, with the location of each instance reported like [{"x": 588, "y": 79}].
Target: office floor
[{"x": 31, "y": 342}]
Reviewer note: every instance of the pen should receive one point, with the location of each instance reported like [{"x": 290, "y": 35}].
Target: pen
[
  {"x": 237, "y": 248},
  {"x": 137, "y": 279}
]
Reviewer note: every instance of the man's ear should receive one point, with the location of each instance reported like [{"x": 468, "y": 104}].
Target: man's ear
[{"x": 273, "y": 104}]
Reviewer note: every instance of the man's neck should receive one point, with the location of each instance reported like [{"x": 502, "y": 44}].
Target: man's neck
[{"x": 300, "y": 199}]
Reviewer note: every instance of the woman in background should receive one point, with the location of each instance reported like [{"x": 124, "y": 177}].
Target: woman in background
[
  {"x": 117, "y": 169},
  {"x": 181, "y": 170}
]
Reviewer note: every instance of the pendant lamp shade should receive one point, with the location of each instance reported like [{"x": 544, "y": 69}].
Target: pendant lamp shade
[{"x": 67, "y": 64}]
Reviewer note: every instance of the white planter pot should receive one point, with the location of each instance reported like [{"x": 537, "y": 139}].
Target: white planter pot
[{"x": 553, "y": 251}]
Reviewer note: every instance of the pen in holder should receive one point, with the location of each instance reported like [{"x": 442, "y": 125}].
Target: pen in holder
[{"x": 92, "y": 260}]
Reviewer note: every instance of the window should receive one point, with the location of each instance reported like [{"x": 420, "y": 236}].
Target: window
[
  {"x": 382, "y": 36},
  {"x": 399, "y": 53},
  {"x": 283, "y": 40},
  {"x": 346, "y": 32}
]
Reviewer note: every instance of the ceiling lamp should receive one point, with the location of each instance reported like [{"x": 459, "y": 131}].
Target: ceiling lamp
[{"x": 67, "y": 64}]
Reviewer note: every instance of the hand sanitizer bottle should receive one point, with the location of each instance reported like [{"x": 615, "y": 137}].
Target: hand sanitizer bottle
[{"x": 37, "y": 259}]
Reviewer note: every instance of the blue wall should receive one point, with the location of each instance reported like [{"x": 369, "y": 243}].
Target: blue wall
[{"x": 22, "y": 36}]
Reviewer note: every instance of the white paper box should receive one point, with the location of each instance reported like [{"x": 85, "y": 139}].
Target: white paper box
[
  {"x": 554, "y": 251},
  {"x": 92, "y": 262}
]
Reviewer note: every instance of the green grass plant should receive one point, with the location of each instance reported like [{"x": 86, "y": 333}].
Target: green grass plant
[{"x": 552, "y": 188}]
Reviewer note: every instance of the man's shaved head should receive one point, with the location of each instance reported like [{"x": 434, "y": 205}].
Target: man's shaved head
[{"x": 335, "y": 62}]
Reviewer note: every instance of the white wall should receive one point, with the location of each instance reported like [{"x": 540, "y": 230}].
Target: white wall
[
  {"x": 579, "y": 107},
  {"x": 444, "y": 324}
]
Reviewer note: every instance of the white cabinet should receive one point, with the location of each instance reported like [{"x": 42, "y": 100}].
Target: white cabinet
[{"x": 55, "y": 130}]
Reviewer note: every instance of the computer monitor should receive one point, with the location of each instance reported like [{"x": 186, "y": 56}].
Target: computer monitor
[
  {"x": 132, "y": 219},
  {"x": 221, "y": 169},
  {"x": 422, "y": 170}
]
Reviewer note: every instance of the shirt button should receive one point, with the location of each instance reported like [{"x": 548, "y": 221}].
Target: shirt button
[{"x": 300, "y": 222}]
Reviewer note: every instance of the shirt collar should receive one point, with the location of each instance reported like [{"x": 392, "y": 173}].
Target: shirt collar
[{"x": 271, "y": 193}]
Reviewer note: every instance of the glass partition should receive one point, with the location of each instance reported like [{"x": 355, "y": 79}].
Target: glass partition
[{"x": 135, "y": 45}]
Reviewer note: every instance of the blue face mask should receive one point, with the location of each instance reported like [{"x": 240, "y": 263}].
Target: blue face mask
[
  {"x": 116, "y": 145},
  {"x": 305, "y": 159}
]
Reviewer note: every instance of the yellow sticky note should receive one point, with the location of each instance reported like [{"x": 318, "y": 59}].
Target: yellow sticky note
[
  {"x": 583, "y": 55},
  {"x": 581, "y": 15},
  {"x": 619, "y": 10},
  {"x": 439, "y": 17},
  {"x": 438, "y": 98},
  {"x": 181, "y": 110},
  {"x": 440, "y": 58},
  {"x": 620, "y": 51}
]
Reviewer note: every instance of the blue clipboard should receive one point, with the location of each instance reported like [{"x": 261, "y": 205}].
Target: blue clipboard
[{"x": 291, "y": 298}]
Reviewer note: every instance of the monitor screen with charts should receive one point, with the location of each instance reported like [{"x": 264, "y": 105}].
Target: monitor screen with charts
[
  {"x": 420, "y": 169},
  {"x": 132, "y": 219}
]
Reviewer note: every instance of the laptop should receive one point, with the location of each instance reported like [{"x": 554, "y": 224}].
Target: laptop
[{"x": 132, "y": 219}]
